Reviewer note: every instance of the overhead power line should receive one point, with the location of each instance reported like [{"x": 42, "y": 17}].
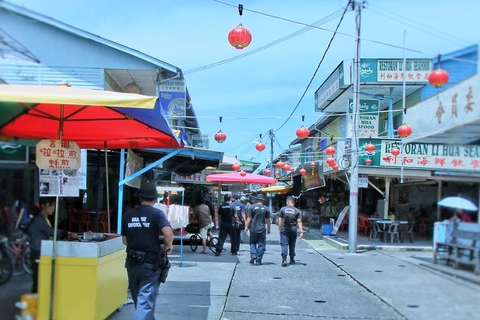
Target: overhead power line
[{"x": 316, "y": 70}]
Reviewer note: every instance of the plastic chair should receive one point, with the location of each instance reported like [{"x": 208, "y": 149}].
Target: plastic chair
[
  {"x": 408, "y": 232},
  {"x": 373, "y": 231},
  {"x": 378, "y": 232},
  {"x": 392, "y": 233},
  {"x": 104, "y": 220},
  {"x": 364, "y": 225},
  {"x": 422, "y": 227}
]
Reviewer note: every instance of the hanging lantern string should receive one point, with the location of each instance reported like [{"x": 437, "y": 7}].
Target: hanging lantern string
[
  {"x": 303, "y": 118},
  {"x": 240, "y": 9}
]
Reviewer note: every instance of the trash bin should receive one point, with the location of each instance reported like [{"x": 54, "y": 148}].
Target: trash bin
[{"x": 327, "y": 229}]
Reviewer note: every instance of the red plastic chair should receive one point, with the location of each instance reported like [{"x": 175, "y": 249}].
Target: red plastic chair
[{"x": 104, "y": 220}]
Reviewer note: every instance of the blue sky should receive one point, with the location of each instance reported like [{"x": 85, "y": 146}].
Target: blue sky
[{"x": 258, "y": 92}]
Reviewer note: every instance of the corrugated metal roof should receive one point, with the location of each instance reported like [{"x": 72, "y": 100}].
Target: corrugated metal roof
[{"x": 84, "y": 34}]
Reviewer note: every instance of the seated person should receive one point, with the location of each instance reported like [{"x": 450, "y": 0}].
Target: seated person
[{"x": 391, "y": 214}]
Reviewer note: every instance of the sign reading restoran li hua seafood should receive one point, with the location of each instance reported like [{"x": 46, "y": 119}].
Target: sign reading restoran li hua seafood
[{"x": 57, "y": 154}]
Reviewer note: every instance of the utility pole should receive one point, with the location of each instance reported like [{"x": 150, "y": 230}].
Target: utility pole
[
  {"x": 272, "y": 167},
  {"x": 353, "y": 213}
]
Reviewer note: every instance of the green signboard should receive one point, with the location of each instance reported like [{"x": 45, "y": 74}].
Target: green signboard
[{"x": 10, "y": 152}]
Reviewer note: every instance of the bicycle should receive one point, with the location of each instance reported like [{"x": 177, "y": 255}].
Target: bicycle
[
  {"x": 196, "y": 240},
  {"x": 19, "y": 251},
  {"x": 6, "y": 263}
]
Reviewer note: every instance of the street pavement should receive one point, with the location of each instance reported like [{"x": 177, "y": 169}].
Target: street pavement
[{"x": 325, "y": 283}]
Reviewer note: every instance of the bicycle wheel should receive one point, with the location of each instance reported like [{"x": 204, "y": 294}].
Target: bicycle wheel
[
  {"x": 6, "y": 266},
  {"x": 26, "y": 262},
  {"x": 212, "y": 244},
  {"x": 194, "y": 241}
]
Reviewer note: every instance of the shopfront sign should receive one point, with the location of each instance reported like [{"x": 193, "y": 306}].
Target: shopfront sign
[
  {"x": 199, "y": 177},
  {"x": 173, "y": 98},
  {"x": 332, "y": 87},
  {"x": 57, "y": 154},
  {"x": 431, "y": 156},
  {"x": 312, "y": 180},
  {"x": 200, "y": 141},
  {"x": 363, "y": 181},
  {"x": 368, "y": 126},
  {"x": 391, "y": 70},
  {"x": 11, "y": 152}
]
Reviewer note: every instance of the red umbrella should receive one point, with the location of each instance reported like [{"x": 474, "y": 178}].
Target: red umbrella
[{"x": 236, "y": 177}]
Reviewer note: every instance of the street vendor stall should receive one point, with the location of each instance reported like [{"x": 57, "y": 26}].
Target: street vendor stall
[{"x": 92, "y": 278}]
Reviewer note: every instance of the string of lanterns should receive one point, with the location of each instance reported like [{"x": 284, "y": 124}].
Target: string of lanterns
[{"x": 239, "y": 37}]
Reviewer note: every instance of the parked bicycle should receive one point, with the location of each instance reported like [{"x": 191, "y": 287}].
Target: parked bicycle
[
  {"x": 6, "y": 263},
  {"x": 19, "y": 251},
  {"x": 196, "y": 240}
]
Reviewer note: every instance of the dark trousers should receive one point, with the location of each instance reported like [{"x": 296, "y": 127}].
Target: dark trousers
[
  {"x": 288, "y": 239},
  {"x": 143, "y": 281},
  {"x": 258, "y": 244},
  {"x": 34, "y": 260},
  {"x": 230, "y": 230},
  {"x": 238, "y": 232}
]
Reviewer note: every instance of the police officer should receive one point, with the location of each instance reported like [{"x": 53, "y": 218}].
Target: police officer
[
  {"x": 289, "y": 218},
  {"x": 141, "y": 229},
  {"x": 258, "y": 220},
  {"x": 227, "y": 227}
]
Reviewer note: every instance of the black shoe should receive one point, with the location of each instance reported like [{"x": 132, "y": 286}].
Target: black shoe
[
  {"x": 292, "y": 261},
  {"x": 284, "y": 261},
  {"x": 252, "y": 261},
  {"x": 217, "y": 253},
  {"x": 234, "y": 253},
  {"x": 259, "y": 262}
]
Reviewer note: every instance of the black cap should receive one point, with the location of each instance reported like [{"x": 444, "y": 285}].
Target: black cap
[
  {"x": 261, "y": 197},
  {"x": 148, "y": 190}
]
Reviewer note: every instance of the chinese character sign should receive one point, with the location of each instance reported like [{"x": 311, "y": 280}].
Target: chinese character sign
[
  {"x": 432, "y": 156},
  {"x": 57, "y": 154}
]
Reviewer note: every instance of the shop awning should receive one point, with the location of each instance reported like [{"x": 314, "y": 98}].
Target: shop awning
[{"x": 277, "y": 189}]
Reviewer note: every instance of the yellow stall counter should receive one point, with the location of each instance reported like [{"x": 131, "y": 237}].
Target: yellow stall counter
[{"x": 86, "y": 287}]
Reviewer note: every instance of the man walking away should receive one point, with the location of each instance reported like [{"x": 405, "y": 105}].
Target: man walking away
[
  {"x": 258, "y": 220},
  {"x": 289, "y": 218},
  {"x": 202, "y": 215},
  {"x": 141, "y": 229},
  {"x": 227, "y": 227},
  {"x": 240, "y": 211}
]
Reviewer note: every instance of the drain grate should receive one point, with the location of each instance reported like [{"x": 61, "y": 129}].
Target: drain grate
[
  {"x": 413, "y": 306},
  {"x": 320, "y": 301},
  {"x": 378, "y": 271},
  {"x": 401, "y": 265},
  {"x": 244, "y": 296},
  {"x": 341, "y": 275},
  {"x": 277, "y": 278}
]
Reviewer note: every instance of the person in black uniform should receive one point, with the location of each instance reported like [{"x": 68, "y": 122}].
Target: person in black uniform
[
  {"x": 227, "y": 227},
  {"x": 289, "y": 218},
  {"x": 141, "y": 227}
]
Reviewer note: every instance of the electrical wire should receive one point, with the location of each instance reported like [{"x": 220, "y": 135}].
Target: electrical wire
[
  {"x": 268, "y": 45},
  {"x": 316, "y": 70}
]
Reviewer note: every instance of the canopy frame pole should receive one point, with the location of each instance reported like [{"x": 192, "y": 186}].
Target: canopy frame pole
[{"x": 108, "y": 189}]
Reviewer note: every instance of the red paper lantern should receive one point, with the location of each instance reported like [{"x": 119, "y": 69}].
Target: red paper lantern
[
  {"x": 279, "y": 164},
  {"x": 404, "y": 130},
  {"x": 333, "y": 164},
  {"x": 369, "y": 147},
  {"x": 395, "y": 151},
  {"x": 243, "y": 173},
  {"x": 302, "y": 132},
  {"x": 267, "y": 172},
  {"x": 313, "y": 164},
  {"x": 336, "y": 167},
  {"x": 260, "y": 146},
  {"x": 220, "y": 137},
  {"x": 330, "y": 161},
  {"x": 236, "y": 167},
  {"x": 330, "y": 150},
  {"x": 286, "y": 167},
  {"x": 302, "y": 171},
  {"x": 368, "y": 162},
  {"x": 385, "y": 158},
  {"x": 438, "y": 77},
  {"x": 239, "y": 37}
]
